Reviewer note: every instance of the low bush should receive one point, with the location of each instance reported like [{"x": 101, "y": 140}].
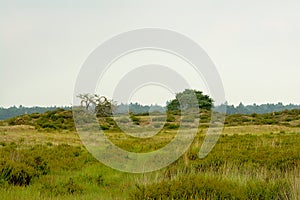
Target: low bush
[
  {"x": 17, "y": 173},
  {"x": 170, "y": 118},
  {"x": 199, "y": 186},
  {"x": 20, "y": 166},
  {"x": 171, "y": 126},
  {"x": 56, "y": 120},
  {"x": 104, "y": 127},
  {"x": 136, "y": 120}
]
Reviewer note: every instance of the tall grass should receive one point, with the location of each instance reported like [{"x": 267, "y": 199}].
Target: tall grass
[
  {"x": 240, "y": 167},
  {"x": 252, "y": 160}
]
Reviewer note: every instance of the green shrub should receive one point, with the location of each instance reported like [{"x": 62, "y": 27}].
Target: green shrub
[
  {"x": 170, "y": 118},
  {"x": 17, "y": 173},
  {"x": 171, "y": 126},
  {"x": 49, "y": 126},
  {"x": 204, "y": 117},
  {"x": 104, "y": 127},
  {"x": 3, "y": 144},
  {"x": 15, "y": 121},
  {"x": 110, "y": 121},
  {"x": 136, "y": 120}
]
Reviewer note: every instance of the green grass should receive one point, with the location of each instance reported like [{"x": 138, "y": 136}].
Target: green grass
[{"x": 250, "y": 161}]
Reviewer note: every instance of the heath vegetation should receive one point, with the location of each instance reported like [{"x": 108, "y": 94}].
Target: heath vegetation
[{"x": 256, "y": 157}]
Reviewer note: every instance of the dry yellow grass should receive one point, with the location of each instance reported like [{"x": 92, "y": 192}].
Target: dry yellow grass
[
  {"x": 259, "y": 129},
  {"x": 27, "y": 135}
]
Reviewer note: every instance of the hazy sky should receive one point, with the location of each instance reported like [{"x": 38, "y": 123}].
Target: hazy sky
[{"x": 255, "y": 45}]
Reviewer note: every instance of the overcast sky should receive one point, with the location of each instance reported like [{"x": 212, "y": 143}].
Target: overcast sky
[{"x": 255, "y": 45}]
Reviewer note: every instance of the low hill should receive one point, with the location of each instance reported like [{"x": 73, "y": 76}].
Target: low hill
[
  {"x": 287, "y": 118},
  {"x": 61, "y": 119},
  {"x": 6, "y": 113}
]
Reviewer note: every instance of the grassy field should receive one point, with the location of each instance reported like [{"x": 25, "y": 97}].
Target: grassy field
[{"x": 256, "y": 157}]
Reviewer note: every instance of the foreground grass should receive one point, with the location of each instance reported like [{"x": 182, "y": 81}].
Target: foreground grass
[{"x": 248, "y": 162}]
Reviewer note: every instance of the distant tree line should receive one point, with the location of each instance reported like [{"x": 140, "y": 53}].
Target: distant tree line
[
  {"x": 102, "y": 105},
  {"x": 254, "y": 108},
  {"x": 13, "y": 111},
  {"x": 137, "y": 108}
]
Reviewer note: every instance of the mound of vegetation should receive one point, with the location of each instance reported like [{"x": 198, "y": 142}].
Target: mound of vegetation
[
  {"x": 61, "y": 119},
  {"x": 286, "y": 118},
  {"x": 58, "y": 120},
  {"x": 6, "y": 113},
  {"x": 21, "y": 166},
  {"x": 18, "y": 168}
]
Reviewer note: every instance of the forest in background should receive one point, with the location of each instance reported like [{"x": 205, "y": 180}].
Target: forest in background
[
  {"x": 136, "y": 108},
  {"x": 13, "y": 111}
]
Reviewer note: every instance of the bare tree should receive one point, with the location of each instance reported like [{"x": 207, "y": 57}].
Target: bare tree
[
  {"x": 102, "y": 106},
  {"x": 86, "y": 100}
]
